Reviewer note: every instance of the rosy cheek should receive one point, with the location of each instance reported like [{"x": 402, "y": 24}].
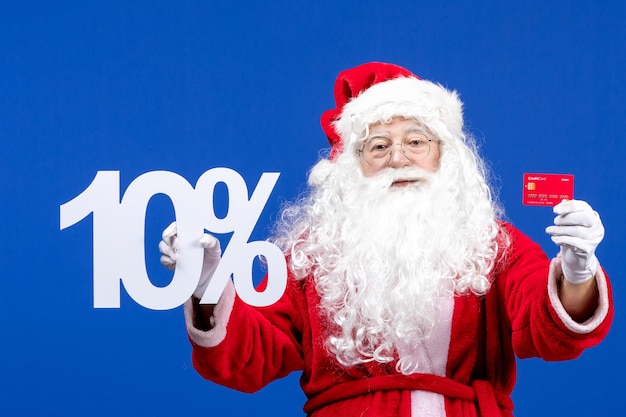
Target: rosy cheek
[{"x": 368, "y": 170}]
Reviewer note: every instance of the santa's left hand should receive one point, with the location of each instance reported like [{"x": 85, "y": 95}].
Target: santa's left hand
[{"x": 578, "y": 231}]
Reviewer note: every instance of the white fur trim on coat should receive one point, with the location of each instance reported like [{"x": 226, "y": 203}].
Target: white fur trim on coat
[
  {"x": 221, "y": 314},
  {"x": 603, "y": 300}
]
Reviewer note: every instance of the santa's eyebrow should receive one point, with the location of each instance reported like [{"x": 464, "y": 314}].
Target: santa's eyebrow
[
  {"x": 416, "y": 129},
  {"x": 380, "y": 134},
  {"x": 385, "y": 134}
]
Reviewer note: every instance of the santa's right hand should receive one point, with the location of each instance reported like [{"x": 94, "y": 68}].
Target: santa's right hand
[{"x": 212, "y": 255}]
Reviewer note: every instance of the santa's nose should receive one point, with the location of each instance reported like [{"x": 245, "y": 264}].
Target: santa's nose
[{"x": 398, "y": 159}]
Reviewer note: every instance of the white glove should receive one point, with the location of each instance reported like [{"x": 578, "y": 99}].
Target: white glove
[
  {"x": 578, "y": 231},
  {"x": 212, "y": 255}
]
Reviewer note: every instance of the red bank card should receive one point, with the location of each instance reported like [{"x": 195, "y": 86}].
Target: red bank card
[{"x": 547, "y": 189}]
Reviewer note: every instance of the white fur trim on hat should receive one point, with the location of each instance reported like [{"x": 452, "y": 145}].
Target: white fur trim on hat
[{"x": 439, "y": 109}]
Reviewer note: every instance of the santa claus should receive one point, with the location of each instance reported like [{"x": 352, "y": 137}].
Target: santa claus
[{"x": 407, "y": 294}]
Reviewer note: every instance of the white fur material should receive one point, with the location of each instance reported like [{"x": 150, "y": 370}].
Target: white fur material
[
  {"x": 440, "y": 109},
  {"x": 553, "y": 292},
  {"x": 221, "y": 314}
]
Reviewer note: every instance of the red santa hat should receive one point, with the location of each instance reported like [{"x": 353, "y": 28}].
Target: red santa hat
[{"x": 378, "y": 91}]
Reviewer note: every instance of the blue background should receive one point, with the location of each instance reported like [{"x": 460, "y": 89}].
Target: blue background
[{"x": 186, "y": 86}]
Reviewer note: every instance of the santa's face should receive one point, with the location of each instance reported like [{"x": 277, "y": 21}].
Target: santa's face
[{"x": 399, "y": 143}]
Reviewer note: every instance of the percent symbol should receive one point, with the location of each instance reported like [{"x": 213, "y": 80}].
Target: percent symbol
[{"x": 238, "y": 257}]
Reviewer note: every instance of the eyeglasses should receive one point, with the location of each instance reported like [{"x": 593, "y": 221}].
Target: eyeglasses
[{"x": 377, "y": 151}]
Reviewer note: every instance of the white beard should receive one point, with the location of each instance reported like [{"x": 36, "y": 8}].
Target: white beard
[
  {"x": 382, "y": 257},
  {"x": 395, "y": 265}
]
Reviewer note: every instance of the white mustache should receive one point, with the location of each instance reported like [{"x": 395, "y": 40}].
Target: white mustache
[{"x": 389, "y": 176}]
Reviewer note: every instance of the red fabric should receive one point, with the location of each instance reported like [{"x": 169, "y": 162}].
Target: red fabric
[
  {"x": 480, "y": 392},
  {"x": 349, "y": 84},
  {"x": 514, "y": 318}
]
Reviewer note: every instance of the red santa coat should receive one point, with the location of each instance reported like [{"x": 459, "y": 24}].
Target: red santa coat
[{"x": 466, "y": 369}]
